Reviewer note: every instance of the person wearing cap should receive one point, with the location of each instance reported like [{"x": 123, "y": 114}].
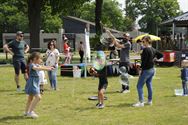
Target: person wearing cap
[
  {"x": 124, "y": 55},
  {"x": 67, "y": 53},
  {"x": 17, "y": 48}
]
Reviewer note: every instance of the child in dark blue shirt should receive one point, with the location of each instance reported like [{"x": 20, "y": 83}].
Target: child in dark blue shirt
[{"x": 184, "y": 77}]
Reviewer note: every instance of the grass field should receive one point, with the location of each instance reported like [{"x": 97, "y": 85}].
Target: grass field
[{"x": 70, "y": 105}]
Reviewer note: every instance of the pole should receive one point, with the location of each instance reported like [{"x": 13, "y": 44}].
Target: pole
[
  {"x": 85, "y": 55},
  {"x": 173, "y": 30}
]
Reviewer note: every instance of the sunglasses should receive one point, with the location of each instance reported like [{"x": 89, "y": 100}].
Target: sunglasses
[
  {"x": 51, "y": 44},
  {"x": 21, "y": 35}
]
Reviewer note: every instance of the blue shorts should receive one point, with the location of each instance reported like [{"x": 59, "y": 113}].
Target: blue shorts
[{"x": 19, "y": 64}]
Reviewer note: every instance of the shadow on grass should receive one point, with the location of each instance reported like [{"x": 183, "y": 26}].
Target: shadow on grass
[
  {"x": 5, "y": 90},
  {"x": 107, "y": 106},
  {"x": 112, "y": 92},
  {"x": 7, "y": 118},
  {"x": 168, "y": 96},
  {"x": 85, "y": 109},
  {"x": 120, "y": 105}
]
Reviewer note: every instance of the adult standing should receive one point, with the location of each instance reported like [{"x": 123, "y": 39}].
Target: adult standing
[
  {"x": 81, "y": 51},
  {"x": 124, "y": 55},
  {"x": 52, "y": 55},
  {"x": 147, "y": 71},
  {"x": 17, "y": 48}
]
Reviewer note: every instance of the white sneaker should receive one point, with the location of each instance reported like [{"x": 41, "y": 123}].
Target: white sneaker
[
  {"x": 138, "y": 104},
  {"x": 148, "y": 103},
  {"x": 125, "y": 91},
  {"x": 18, "y": 89},
  {"x": 32, "y": 115},
  {"x": 26, "y": 113}
]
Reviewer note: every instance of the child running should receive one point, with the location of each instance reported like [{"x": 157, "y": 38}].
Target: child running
[{"x": 32, "y": 88}]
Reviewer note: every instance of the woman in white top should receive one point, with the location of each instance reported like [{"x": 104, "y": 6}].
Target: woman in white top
[{"x": 52, "y": 60}]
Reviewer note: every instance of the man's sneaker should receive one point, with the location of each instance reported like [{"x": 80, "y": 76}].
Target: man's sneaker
[
  {"x": 148, "y": 103},
  {"x": 32, "y": 115},
  {"x": 100, "y": 106},
  {"x": 138, "y": 104},
  {"x": 18, "y": 89}
]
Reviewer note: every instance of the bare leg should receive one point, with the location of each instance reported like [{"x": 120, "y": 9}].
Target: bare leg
[
  {"x": 34, "y": 102},
  {"x": 101, "y": 96},
  {"x": 26, "y": 76},
  {"x": 29, "y": 100},
  {"x": 41, "y": 88},
  {"x": 65, "y": 62},
  {"x": 16, "y": 78}
]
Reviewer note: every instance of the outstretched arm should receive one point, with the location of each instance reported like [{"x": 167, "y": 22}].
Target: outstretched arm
[
  {"x": 114, "y": 40},
  {"x": 48, "y": 68}
]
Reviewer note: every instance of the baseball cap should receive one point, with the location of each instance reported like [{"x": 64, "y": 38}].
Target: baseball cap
[
  {"x": 126, "y": 34},
  {"x": 65, "y": 38},
  {"x": 19, "y": 32}
]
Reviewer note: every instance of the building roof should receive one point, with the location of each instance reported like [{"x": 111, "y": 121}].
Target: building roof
[
  {"x": 116, "y": 33},
  {"x": 180, "y": 21},
  {"x": 90, "y": 23}
]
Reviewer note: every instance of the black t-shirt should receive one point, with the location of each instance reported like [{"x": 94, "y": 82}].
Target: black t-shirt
[
  {"x": 147, "y": 57},
  {"x": 102, "y": 72},
  {"x": 111, "y": 48}
]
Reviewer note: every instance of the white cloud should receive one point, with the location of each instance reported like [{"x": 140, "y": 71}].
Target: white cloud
[{"x": 183, "y": 5}]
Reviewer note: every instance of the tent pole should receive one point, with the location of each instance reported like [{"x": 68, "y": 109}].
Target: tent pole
[{"x": 173, "y": 30}]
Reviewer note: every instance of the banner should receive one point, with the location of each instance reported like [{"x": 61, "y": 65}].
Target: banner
[{"x": 87, "y": 50}]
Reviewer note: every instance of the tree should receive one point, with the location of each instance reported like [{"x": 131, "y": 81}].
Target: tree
[
  {"x": 153, "y": 12},
  {"x": 34, "y": 14},
  {"x": 112, "y": 15},
  {"x": 49, "y": 22},
  {"x": 98, "y": 13},
  {"x": 11, "y": 18}
]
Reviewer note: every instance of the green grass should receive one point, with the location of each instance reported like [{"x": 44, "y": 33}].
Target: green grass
[{"x": 70, "y": 105}]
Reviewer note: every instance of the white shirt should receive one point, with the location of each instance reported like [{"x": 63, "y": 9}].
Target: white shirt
[{"x": 52, "y": 57}]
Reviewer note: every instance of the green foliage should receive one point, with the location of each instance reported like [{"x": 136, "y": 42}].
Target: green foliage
[
  {"x": 112, "y": 15},
  {"x": 50, "y": 23},
  {"x": 13, "y": 16},
  {"x": 153, "y": 12},
  {"x": 65, "y": 6}
]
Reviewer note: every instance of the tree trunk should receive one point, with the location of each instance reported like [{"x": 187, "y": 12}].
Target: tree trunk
[
  {"x": 98, "y": 13},
  {"x": 34, "y": 11}
]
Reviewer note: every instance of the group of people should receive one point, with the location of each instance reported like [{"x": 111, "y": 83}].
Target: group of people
[
  {"x": 148, "y": 56},
  {"x": 32, "y": 89},
  {"x": 32, "y": 71}
]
